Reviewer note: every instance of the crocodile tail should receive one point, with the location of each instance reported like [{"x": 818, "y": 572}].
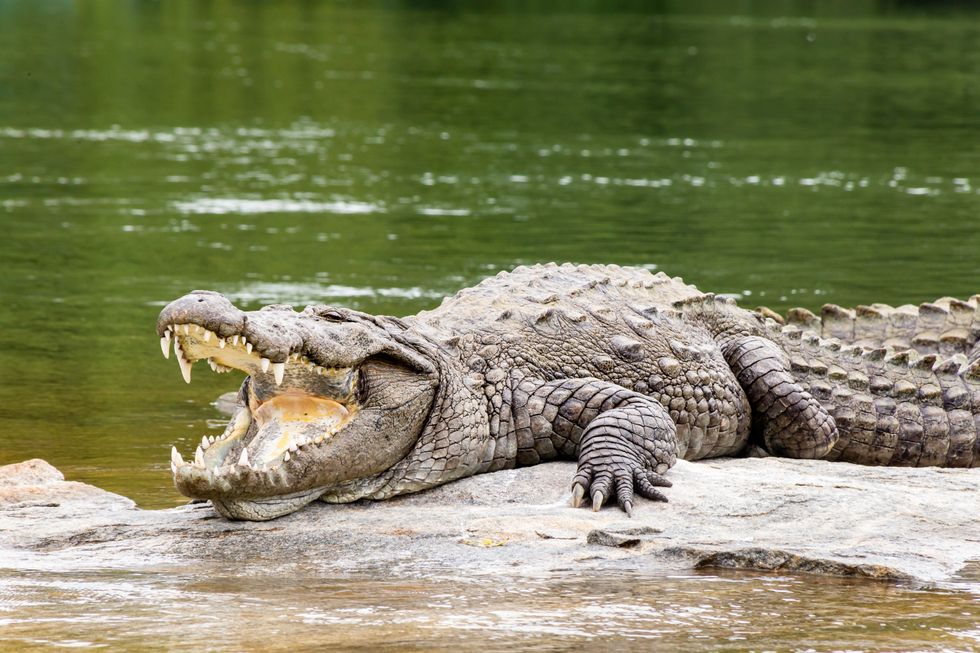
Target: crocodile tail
[
  {"x": 891, "y": 407},
  {"x": 947, "y": 326}
]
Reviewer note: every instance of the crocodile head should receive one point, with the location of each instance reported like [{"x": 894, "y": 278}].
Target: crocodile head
[{"x": 331, "y": 397}]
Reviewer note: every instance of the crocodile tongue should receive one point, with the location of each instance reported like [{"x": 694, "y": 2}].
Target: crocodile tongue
[{"x": 291, "y": 420}]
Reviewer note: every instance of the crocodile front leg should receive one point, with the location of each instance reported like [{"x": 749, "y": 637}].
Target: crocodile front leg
[
  {"x": 623, "y": 440},
  {"x": 791, "y": 420}
]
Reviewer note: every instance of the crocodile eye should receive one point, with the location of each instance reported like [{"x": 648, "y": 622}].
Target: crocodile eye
[{"x": 332, "y": 315}]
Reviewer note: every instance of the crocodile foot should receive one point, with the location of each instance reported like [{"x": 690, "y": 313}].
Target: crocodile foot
[{"x": 617, "y": 473}]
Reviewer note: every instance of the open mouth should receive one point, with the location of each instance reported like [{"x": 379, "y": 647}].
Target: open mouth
[{"x": 289, "y": 410}]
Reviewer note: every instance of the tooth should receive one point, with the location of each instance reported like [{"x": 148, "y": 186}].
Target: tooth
[
  {"x": 199, "y": 457},
  {"x": 285, "y": 457},
  {"x": 265, "y": 364},
  {"x": 198, "y": 328},
  {"x": 293, "y": 448},
  {"x": 187, "y": 329},
  {"x": 243, "y": 419},
  {"x": 204, "y": 442},
  {"x": 234, "y": 340},
  {"x": 165, "y": 344},
  {"x": 221, "y": 343},
  {"x": 212, "y": 365},
  {"x": 207, "y": 336},
  {"x": 175, "y": 459},
  {"x": 318, "y": 440},
  {"x": 248, "y": 347},
  {"x": 279, "y": 369},
  {"x": 210, "y": 439},
  {"x": 185, "y": 367},
  {"x": 243, "y": 459}
]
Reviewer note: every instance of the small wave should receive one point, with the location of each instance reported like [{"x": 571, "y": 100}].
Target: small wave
[
  {"x": 225, "y": 205},
  {"x": 304, "y": 293},
  {"x": 434, "y": 210}
]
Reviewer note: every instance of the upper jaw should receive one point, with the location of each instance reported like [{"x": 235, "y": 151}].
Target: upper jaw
[
  {"x": 340, "y": 338},
  {"x": 193, "y": 342}
]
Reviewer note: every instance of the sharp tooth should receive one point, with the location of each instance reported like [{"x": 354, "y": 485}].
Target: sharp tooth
[
  {"x": 210, "y": 439},
  {"x": 318, "y": 440},
  {"x": 198, "y": 328},
  {"x": 234, "y": 340},
  {"x": 165, "y": 344},
  {"x": 243, "y": 459},
  {"x": 211, "y": 364},
  {"x": 207, "y": 336},
  {"x": 221, "y": 343},
  {"x": 285, "y": 457},
  {"x": 243, "y": 419},
  {"x": 279, "y": 369},
  {"x": 187, "y": 329},
  {"x": 185, "y": 367},
  {"x": 204, "y": 442},
  {"x": 199, "y": 457},
  {"x": 265, "y": 364},
  {"x": 175, "y": 459},
  {"x": 248, "y": 347},
  {"x": 292, "y": 448}
]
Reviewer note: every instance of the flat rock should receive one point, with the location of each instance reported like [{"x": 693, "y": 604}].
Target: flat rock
[{"x": 758, "y": 513}]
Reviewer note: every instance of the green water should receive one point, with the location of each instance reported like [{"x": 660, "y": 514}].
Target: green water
[{"x": 382, "y": 156}]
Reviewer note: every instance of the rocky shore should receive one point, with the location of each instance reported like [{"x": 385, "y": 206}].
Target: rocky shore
[{"x": 915, "y": 525}]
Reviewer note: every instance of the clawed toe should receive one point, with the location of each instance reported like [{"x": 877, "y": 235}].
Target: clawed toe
[{"x": 600, "y": 483}]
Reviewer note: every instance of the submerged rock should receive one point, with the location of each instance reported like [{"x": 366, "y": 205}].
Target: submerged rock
[{"x": 771, "y": 514}]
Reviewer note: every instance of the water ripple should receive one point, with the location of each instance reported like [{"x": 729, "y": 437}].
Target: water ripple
[{"x": 226, "y": 205}]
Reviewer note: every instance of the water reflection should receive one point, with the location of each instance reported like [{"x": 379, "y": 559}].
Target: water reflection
[{"x": 225, "y": 609}]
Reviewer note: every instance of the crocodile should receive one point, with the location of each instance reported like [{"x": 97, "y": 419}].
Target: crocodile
[{"x": 618, "y": 368}]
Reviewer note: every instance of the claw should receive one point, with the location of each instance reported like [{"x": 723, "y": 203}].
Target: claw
[
  {"x": 578, "y": 493},
  {"x": 597, "y": 500},
  {"x": 628, "y": 507}
]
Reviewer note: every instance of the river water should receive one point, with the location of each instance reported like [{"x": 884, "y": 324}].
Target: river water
[{"x": 381, "y": 157}]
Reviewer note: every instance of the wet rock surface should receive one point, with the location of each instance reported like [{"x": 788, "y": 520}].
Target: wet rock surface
[{"x": 769, "y": 514}]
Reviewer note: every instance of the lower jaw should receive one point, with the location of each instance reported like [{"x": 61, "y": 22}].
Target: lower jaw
[{"x": 265, "y": 509}]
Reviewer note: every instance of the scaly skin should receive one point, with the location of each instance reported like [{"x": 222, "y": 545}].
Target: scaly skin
[{"x": 616, "y": 367}]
